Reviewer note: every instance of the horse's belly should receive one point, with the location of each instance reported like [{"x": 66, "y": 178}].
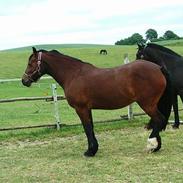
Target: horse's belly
[
  {"x": 100, "y": 95},
  {"x": 110, "y": 102}
]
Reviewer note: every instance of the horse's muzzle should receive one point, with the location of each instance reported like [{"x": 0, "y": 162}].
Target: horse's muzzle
[{"x": 26, "y": 81}]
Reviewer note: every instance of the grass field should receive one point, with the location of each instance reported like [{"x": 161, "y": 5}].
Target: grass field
[
  {"x": 13, "y": 65},
  {"x": 121, "y": 158},
  {"x": 47, "y": 155}
]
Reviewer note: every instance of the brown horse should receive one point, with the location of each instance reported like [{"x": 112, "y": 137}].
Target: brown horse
[{"x": 87, "y": 87}]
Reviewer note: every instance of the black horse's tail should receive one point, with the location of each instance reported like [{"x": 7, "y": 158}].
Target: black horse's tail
[{"x": 165, "y": 102}]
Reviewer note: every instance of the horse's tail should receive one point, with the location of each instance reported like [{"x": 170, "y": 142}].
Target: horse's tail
[{"x": 165, "y": 102}]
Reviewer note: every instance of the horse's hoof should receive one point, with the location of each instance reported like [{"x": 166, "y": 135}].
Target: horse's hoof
[
  {"x": 153, "y": 145},
  {"x": 89, "y": 153},
  {"x": 175, "y": 126}
]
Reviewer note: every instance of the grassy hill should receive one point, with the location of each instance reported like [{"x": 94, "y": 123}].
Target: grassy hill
[
  {"x": 14, "y": 61},
  {"x": 171, "y": 43},
  {"x": 54, "y": 46},
  {"x": 13, "y": 64}
]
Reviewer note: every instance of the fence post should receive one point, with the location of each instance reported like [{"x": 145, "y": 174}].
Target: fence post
[
  {"x": 57, "y": 118},
  {"x": 130, "y": 109}
]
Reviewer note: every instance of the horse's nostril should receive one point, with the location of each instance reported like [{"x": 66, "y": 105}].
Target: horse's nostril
[
  {"x": 26, "y": 82},
  {"x": 23, "y": 81}
]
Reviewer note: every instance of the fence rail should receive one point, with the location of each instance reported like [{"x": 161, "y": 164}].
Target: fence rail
[
  {"x": 47, "y": 98},
  {"x": 54, "y": 98}
]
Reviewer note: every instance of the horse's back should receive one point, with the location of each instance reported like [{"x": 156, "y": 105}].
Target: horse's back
[{"x": 147, "y": 75}]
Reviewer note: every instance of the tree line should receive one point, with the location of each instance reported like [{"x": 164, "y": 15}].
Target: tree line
[{"x": 150, "y": 35}]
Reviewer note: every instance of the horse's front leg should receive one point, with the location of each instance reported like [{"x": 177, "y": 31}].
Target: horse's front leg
[
  {"x": 87, "y": 121},
  {"x": 157, "y": 123}
]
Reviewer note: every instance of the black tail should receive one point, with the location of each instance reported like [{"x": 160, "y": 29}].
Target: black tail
[{"x": 165, "y": 102}]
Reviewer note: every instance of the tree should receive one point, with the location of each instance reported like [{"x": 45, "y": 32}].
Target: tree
[
  {"x": 135, "y": 38},
  {"x": 170, "y": 35},
  {"x": 151, "y": 34}
]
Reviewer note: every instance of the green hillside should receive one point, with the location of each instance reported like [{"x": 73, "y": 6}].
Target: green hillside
[
  {"x": 178, "y": 42},
  {"x": 14, "y": 61},
  {"x": 54, "y": 46}
]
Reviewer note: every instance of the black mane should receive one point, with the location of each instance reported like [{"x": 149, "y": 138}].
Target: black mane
[
  {"x": 55, "y": 52},
  {"x": 164, "y": 49}
]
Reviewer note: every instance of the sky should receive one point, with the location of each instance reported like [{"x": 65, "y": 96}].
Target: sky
[{"x": 34, "y": 22}]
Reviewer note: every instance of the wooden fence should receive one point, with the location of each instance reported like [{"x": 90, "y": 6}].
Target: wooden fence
[{"x": 53, "y": 98}]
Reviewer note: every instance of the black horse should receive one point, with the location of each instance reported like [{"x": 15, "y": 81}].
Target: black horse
[
  {"x": 104, "y": 52},
  {"x": 173, "y": 62}
]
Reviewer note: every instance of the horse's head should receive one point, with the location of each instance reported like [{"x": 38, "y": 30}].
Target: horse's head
[
  {"x": 145, "y": 52},
  {"x": 35, "y": 68},
  {"x": 140, "y": 53},
  {"x": 151, "y": 52}
]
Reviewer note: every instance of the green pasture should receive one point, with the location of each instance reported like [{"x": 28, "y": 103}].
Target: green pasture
[
  {"x": 47, "y": 155},
  {"x": 121, "y": 158},
  {"x": 13, "y": 63}
]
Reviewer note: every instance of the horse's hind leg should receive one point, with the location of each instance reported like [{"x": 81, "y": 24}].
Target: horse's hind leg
[
  {"x": 157, "y": 123},
  {"x": 87, "y": 122}
]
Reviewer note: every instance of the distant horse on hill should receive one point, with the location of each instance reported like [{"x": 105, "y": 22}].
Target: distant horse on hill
[
  {"x": 88, "y": 87},
  {"x": 104, "y": 52}
]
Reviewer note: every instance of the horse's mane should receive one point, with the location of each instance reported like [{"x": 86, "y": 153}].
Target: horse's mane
[
  {"x": 162, "y": 48},
  {"x": 57, "y": 53}
]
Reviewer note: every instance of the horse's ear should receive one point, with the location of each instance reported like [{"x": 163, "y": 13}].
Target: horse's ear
[
  {"x": 34, "y": 50},
  {"x": 140, "y": 45}
]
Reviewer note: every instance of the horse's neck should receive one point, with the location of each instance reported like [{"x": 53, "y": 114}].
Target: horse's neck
[
  {"x": 63, "y": 70},
  {"x": 165, "y": 59}
]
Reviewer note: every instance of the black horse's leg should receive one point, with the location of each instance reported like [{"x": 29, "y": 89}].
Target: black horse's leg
[
  {"x": 87, "y": 121},
  {"x": 176, "y": 113}
]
